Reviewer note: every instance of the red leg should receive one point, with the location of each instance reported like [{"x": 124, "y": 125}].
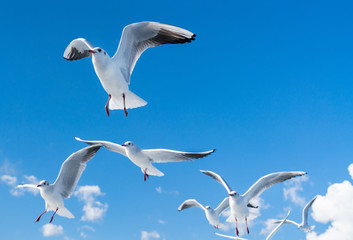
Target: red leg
[
  {"x": 41, "y": 215},
  {"x": 247, "y": 229},
  {"x": 53, "y": 215},
  {"x": 146, "y": 175},
  {"x": 106, "y": 105},
  {"x": 124, "y": 105},
  {"x": 216, "y": 227},
  {"x": 236, "y": 227}
]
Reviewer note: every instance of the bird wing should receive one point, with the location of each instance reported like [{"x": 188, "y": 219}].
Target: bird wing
[
  {"x": 138, "y": 37},
  {"x": 72, "y": 169},
  {"x": 231, "y": 237},
  {"x": 287, "y": 222},
  {"x": 78, "y": 49},
  {"x": 108, "y": 145},
  {"x": 222, "y": 206},
  {"x": 277, "y": 227},
  {"x": 27, "y": 186},
  {"x": 306, "y": 210},
  {"x": 218, "y": 178},
  {"x": 267, "y": 181},
  {"x": 190, "y": 203},
  {"x": 166, "y": 155}
]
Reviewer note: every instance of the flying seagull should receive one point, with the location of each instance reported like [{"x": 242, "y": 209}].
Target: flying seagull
[
  {"x": 304, "y": 224},
  {"x": 65, "y": 183},
  {"x": 268, "y": 237},
  {"x": 114, "y": 73},
  {"x": 239, "y": 204},
  {"x": 211, "y": 215},
  {"x": 144, "y": 158}
]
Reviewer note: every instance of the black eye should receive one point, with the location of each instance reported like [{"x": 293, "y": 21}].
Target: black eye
[{"x": 99, "y": 50}]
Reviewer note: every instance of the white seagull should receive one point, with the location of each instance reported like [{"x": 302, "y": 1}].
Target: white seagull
[
  {"x": 304, "y": 224},
  {"x": 268, "y": 237},
  {"x": 239, "y": 204},
  {"x": 114, "y": 73},
  {"x": 65, "y": 183},
  {"x": 211, "y": 215},
  {"x": 144, "y": 158}
]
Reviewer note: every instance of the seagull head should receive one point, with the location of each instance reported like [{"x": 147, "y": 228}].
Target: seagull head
[
  {"x": 233, "y": 194},
  {"x": 43, "y": 183},
  {"x": 98, "y": 52},
  {"x": 128, "y": 144},
  {"x": 208, "y": 207}
]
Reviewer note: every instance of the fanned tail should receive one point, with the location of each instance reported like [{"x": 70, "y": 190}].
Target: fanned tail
[{"x": 131, "y": 101}]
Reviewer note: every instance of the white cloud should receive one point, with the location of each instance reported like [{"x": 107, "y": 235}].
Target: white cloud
[
  {"x": 335, "y": 209},
  {"x": 149, "y": 235},
  {"x": 350, "y": 170},
  {"x": 9, "y": 180},
  {"x": 162, "y": 191},
  {"x": 94, "y": 210},
  {"x": 292, "y": 189},
  {"x": 49, "y": 230},
  {"x": 162, "y": 222}
]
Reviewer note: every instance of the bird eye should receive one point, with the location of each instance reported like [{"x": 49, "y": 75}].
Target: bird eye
[{"x": 99, "y": 50}]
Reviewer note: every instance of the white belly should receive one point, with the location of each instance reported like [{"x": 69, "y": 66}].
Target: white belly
[
  {"x": 111, "y": 79},
  {"x": 238, "y": 208}
]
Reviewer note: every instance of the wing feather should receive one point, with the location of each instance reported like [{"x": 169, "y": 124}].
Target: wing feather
[
  {"x": 166, "y": 155},
  {"x": 72, "y": 169},
  {"x": 218, "y": 178},
  {"x": 190, "y": 203},
  {"x": 108, "y": 145},
  {"x": 138, "y": 37},
  {"x": 78, "y": 49}
]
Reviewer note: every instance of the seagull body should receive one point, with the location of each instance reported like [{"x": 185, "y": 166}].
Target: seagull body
[
  {"x": 65, "y": 183},
  {"x": 267, "y": 238},
  {"x": 114, "y": 73},
  {"x": 144, "y": 158},
  {"x": 211, "y": 215},
  {"x": 239, "y": 204},
  {"x": 304, "y": 224}
]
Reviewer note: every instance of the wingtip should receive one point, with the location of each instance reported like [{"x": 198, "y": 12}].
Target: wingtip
[{"x": 78, "y": 139}]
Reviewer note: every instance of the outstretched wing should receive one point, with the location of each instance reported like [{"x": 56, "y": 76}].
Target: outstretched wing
[
  {"x": 267, "y": 181},
  {"x": 108, "y": 145},
  {"x": 72, "y": 169},
  {"x": 138, "y": 37},
  {"x": 231, "y": 237},
  {"x": 222, "y": 206},
  {"x": 78, "y": 49},
  {"x": 27, "y": 186},
  {"x": 287, "y": 222},
  {"x": 190, "y": 203},
  {"x": 277, "y": 227},
  {"x": 306, "y": 210},
  {"x": 218, "y": 178},
  {"x": 166, "y": 155}
]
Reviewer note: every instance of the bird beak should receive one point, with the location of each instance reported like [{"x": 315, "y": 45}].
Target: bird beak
[
  {"x": 91, "y": 51},
  {"x": 123, "y": 145},
  {"x": 39, "y": 185},
  {"x": 231, "y": 195}
]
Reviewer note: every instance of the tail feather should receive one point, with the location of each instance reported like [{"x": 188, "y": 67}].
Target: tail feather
[
  {"x": 65, "y": 213},
  {"x": 131, "y": 101},
  {"x": 153, "y": 171}
]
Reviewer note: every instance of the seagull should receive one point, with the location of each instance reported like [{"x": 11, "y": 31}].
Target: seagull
[
  {"x": 304, "y": 224},
  {"x": 144, "y": 158},
  {"x": 211, "y": 215},
  {"x": 268, "y": 237},
  {"x": 114, "y": 73},
  {"x": 239, "y": 204},
  {"x": 65, "y": 183}
]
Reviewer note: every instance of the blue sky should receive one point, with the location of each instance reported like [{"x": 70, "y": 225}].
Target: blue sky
[{"x": 268, "y": 84}]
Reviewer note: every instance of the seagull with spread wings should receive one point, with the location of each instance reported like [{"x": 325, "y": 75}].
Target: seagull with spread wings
[
  {"x": 239, "y": 204},
  {"x": 211, "y": 215},
  {"x": 65, "y": 183},
  {"x": 114, "y": 73},
  {"x": 304, "y": 224},
  {"x": 144, "y": 158}
]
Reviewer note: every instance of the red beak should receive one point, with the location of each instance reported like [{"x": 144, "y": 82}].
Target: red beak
[
  {"x": 123, "y": 145},
  {"x": 231, "y": 195},
  {"x": 39, "y": 185},
  {"x": 91, "y": 51}
]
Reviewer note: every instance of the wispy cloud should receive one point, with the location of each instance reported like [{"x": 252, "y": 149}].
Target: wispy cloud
[
  {"x": 84, "y": 229},
  {"x": 49, "y": 230},
  {"x": 149, "y": 235},
  {"x": 335, "y": 208},
  {"x": 12, "y": 182},
  {"x": 162, "y": 191},
  {"x": 293, "y": 188},
  {"x": 93, "y": 210}
]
